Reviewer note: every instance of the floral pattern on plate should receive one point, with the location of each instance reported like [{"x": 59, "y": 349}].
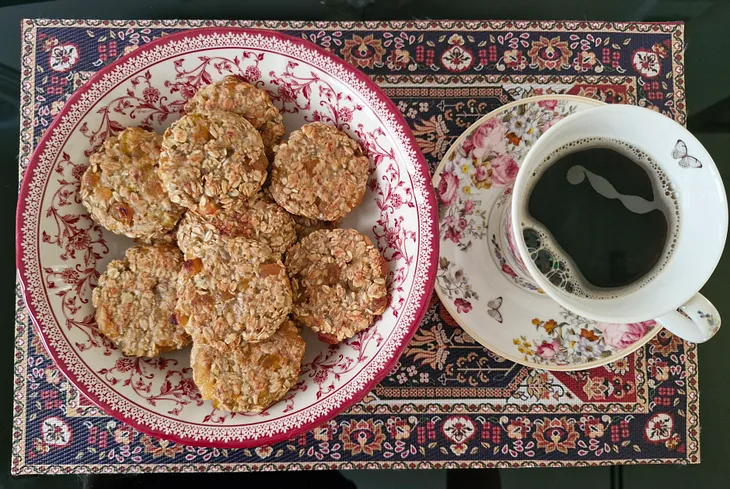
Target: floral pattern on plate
[
  {"x": 472, "y": 186},
  {"x": 61, "y": 251}
]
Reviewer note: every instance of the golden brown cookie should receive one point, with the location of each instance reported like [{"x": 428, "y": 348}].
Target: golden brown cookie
[
  {"x": 338, "y": 280},
  {"x": 232, "y": 291},
  {"x": 251, "y": 103},
  {"x": 211, "y": 160},
  {"x": 121, "y": 189},
  {"x": 252, "y": 376},
  {"x": 258, "y": 218},
  {"x": 135, "y": 301},
  {"x": 319, "y": 173}
]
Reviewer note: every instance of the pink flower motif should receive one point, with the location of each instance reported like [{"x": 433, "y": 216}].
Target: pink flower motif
[
  {"x": 548, "y": 350},
  {"x": 345, "y": 114},
  {"x": 448, "y": 187},
  {"x": 70, "y": 276},
  {"x": 482, "y": 173},
  {"x": 462, "y": 223},
  {"x": 488, "y": 138},
  {"x": 508, "y": 270},
  {"x": 396, "y": 200},
  {"x": 78, "y": 171},
  {"x": 285, "y": 93},
  {"x": 462, "y": 306},
  {"x": 548, "y": 104},
  {"x": 504, "y": 170},
  {"x": 252, "y": 73},
  {"x": 151, "y": 95},
  {"x": 80, "y": 240},
  {"x": 620, "y": 336},
  {"x": 452, "y": 234},
  {"x": 550, "y": 123},
  {"x": 187, "y": 91},
  {"x": 469, "y": 206},
  {"x": 449, "y": 221},
  {"x": 124, "y": 364},
  {"x": 320, "y": 376},
  {"x": 188, "y": 387}
]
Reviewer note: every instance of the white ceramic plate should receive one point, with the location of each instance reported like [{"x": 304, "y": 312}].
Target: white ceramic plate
[
  {"x": 476, "y": 284},
  {"x": 61, "y": 252}
]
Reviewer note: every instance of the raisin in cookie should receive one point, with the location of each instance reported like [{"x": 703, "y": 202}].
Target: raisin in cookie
[
  {"x": 319, "y": 173},
  {"x": 338, "y": 282},
  {"x": 252, "y": 376},
  {"x": 258, "y": 218},
  {"x": 211, "y": 160},
  {"x": 121, "y": 188},
  {"x": 135, "y": 301},
  {"x": 251, "y": 103},
  {"x": 231, "y": 291}
]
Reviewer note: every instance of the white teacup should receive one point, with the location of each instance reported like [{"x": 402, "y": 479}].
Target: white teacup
[{"x": 672, "y": 296}]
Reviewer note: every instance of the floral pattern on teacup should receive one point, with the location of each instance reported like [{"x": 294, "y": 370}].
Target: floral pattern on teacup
[
  {"x": 489, "y": 158},
  {"x": 712, "y": 321},
  {"x": 508, "y": 271}
]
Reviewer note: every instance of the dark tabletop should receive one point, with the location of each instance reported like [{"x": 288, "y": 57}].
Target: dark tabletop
[{"x": 708, "y": 97}]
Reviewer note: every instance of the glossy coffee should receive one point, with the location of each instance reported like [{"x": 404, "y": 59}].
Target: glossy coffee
[{"x": 601, "y": 218}]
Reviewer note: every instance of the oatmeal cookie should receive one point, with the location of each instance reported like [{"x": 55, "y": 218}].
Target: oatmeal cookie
[
  {"x": 338, "y": 281},
  {"x": 211, "y": 160},
  {"x": 135, "y": 301},
  {"x": 252, "y": 376},
  {"x": 319, "y": 173},
  {"x": 305, "y": 226},
  {"x": 258, "y": 218},
  {"x": 251, "y": 103},
  {"x": 121, "y": 189},
  {"x": 232, "y": 291}
]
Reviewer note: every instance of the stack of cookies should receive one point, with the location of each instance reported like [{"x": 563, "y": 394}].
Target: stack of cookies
[{"x": 238, "y": 243}]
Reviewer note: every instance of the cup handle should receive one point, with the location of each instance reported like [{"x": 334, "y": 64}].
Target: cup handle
[{"x": 696, "y": 321}]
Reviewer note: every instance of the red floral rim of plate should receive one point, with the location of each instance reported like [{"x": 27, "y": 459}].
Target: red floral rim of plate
[{"x": 29, "y": 221}]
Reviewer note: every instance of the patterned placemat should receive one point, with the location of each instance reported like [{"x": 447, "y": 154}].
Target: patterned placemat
[{"x": 449, "y": 402}]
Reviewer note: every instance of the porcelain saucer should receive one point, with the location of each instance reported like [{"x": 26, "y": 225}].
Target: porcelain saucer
[{"x": 476, "y": 282}]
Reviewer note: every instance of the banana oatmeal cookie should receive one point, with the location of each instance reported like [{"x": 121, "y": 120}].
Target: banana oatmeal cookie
[
  {"x": 258, "y": 218},
  {"x": 251, "y": 103},
  {"x": 211, "y": 160},
  {"x": 135, "y": 301},
  {"x": 319, "y": 173},
  {"x": 250, "y": 377},
  {"x": 231, "y": 290},
  {"x": 121, "y": 189},
  {"x": 338, "y": 281}
]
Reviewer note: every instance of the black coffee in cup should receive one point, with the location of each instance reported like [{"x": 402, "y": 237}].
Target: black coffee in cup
[{"x": 603, "y": 218}]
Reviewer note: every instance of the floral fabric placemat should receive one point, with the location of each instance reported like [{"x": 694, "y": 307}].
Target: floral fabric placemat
[{"x": 449, "y": 402}]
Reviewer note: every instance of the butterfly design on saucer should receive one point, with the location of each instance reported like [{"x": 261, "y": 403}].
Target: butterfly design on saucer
[
  {"x": 493, "y": 311},
  {"x": 685, "y": 160}
]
